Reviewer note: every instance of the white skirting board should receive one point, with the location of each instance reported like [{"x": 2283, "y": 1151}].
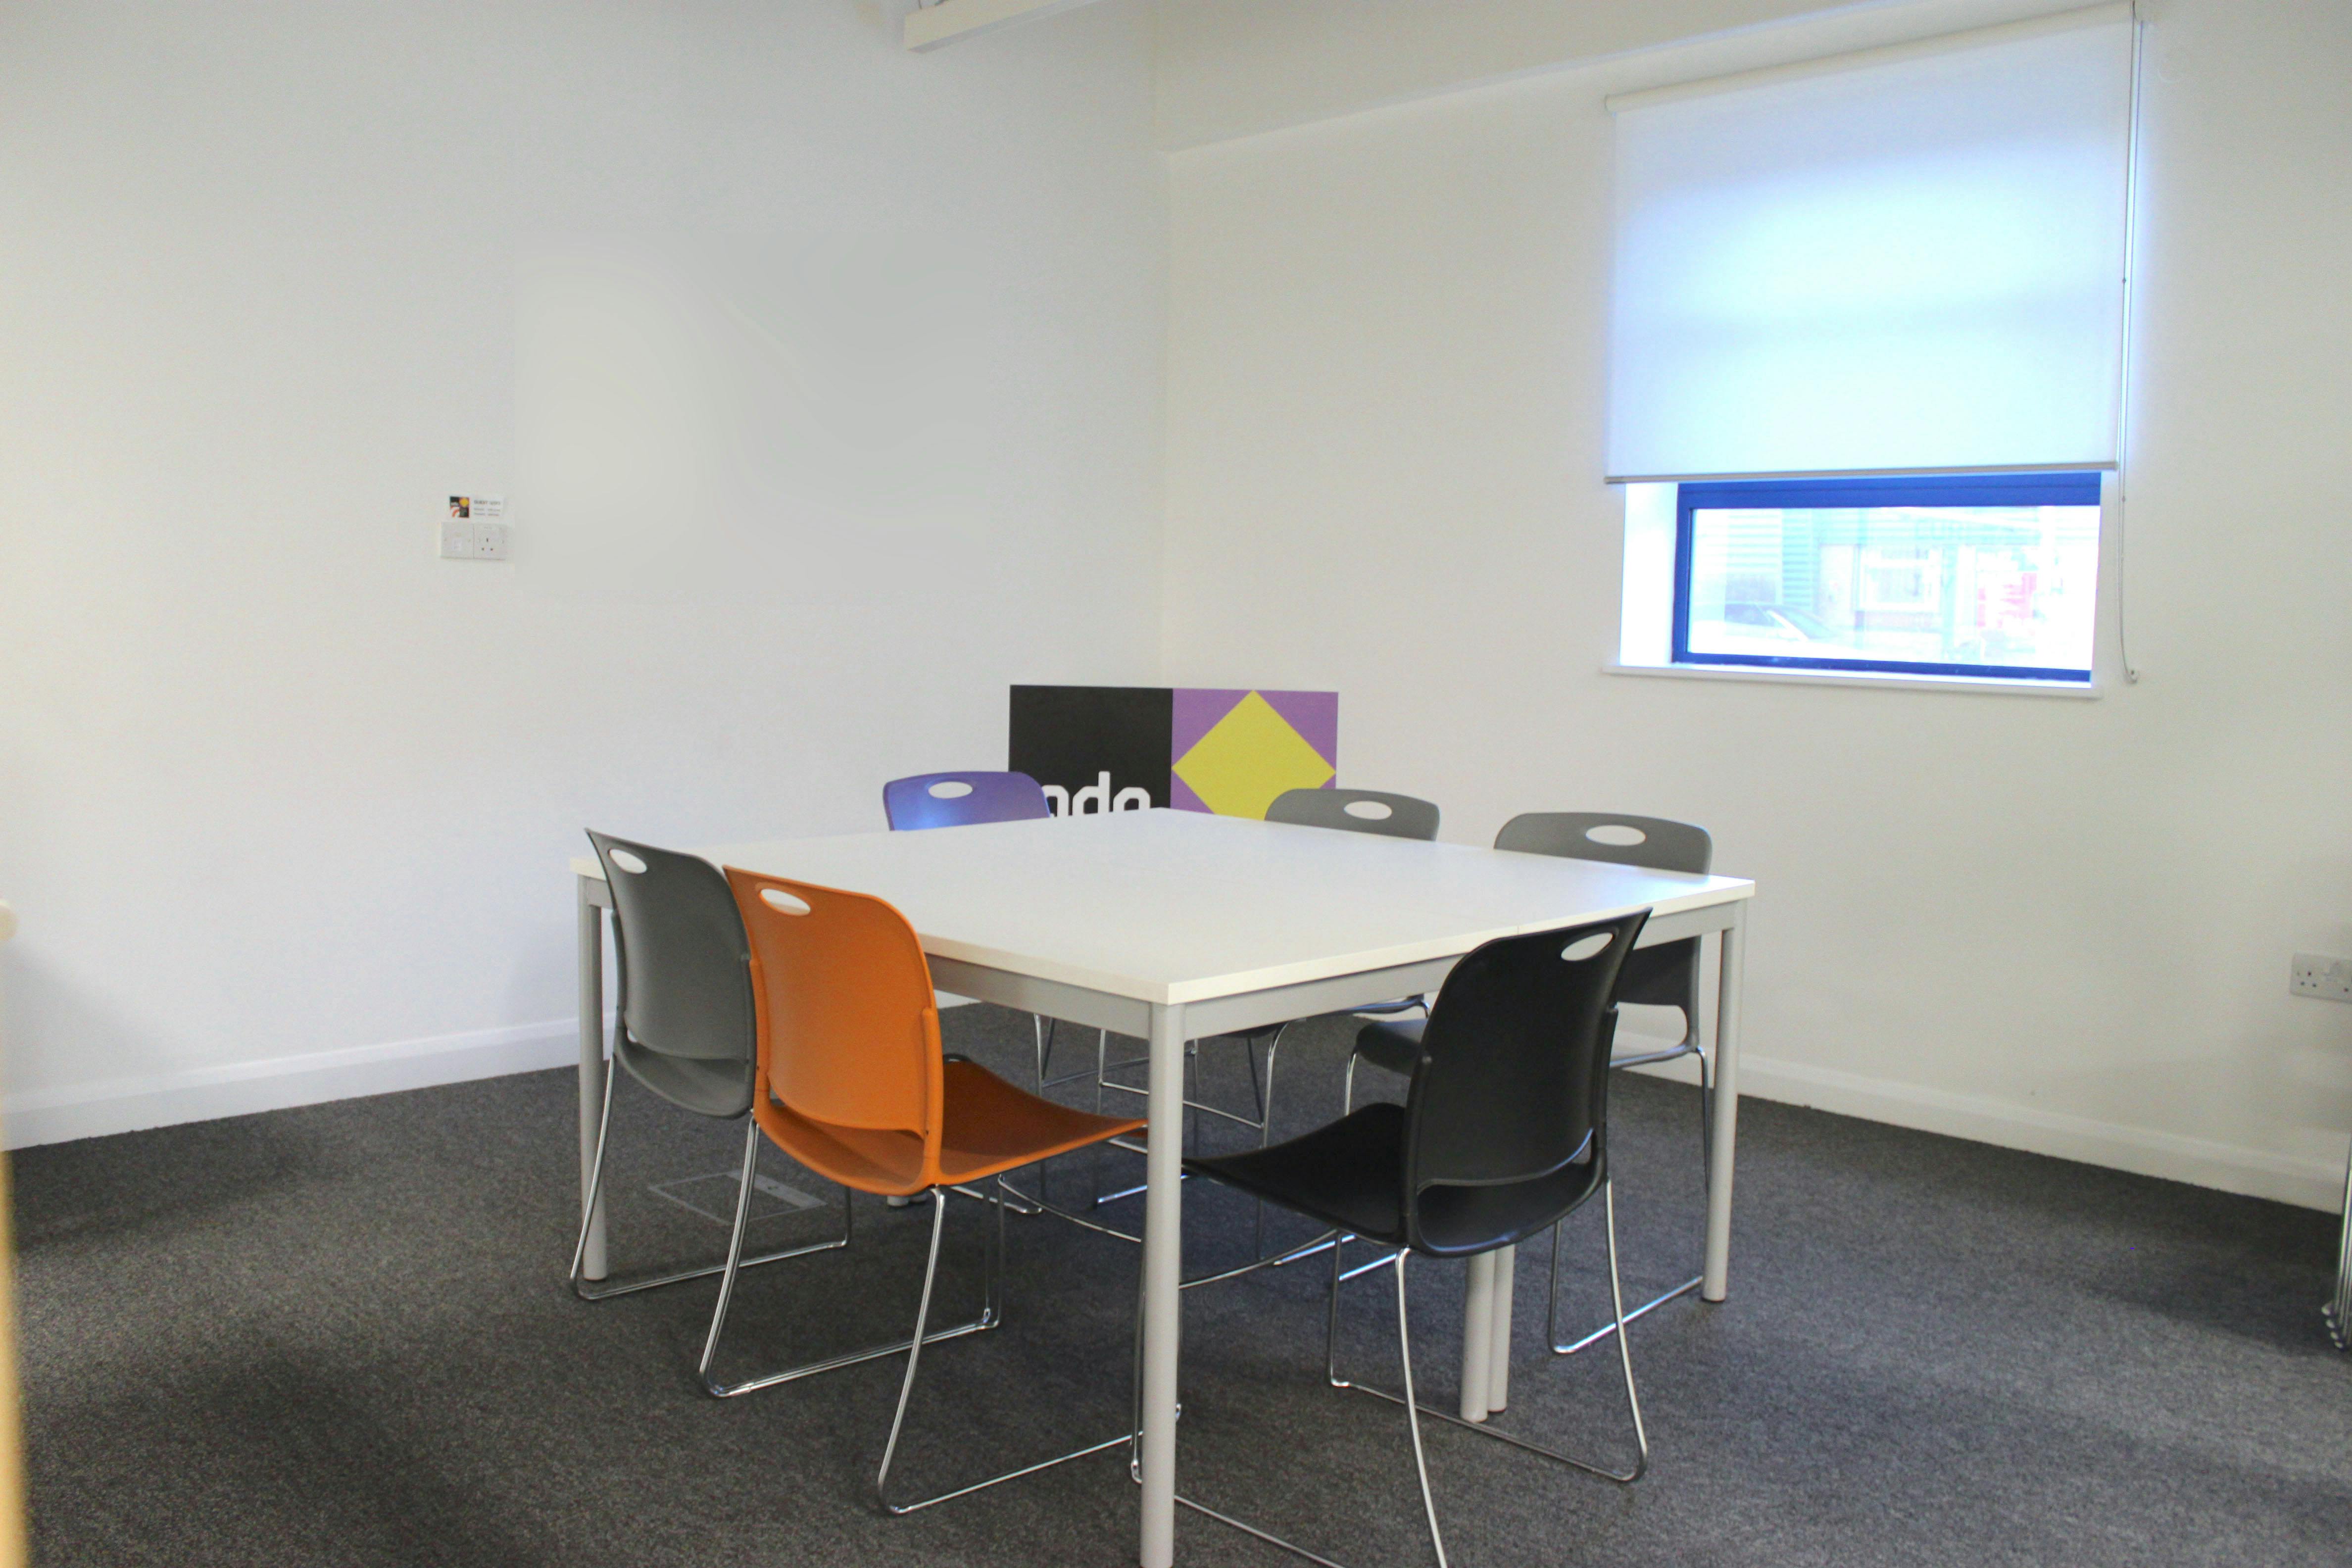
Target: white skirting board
[
  {"x": 239, "y": 1089},
  {"x": 126, "y": 1105},
  {"x": 1981, "y": 1119}
]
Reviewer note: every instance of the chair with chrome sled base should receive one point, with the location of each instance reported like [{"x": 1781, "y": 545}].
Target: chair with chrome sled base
[
  {"x": 1504, "y": 1133},
  {"x": 970, "y": 799},
  {"x": 851, "y": 1081},
  {"x": 1371, "y": 810},
  {"x": 684, "y": 1028},
  {"x": 1664, "y": 975}
]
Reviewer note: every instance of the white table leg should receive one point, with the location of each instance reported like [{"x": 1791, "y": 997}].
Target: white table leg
[
  {"x": 1477, "y": 1336},
  {"x": 1163, "y": 1264},
  {"x": 1717, "y": 1273},
  {"x": 1498, "y": 1342},
  {"x": 592, "y": 1062}
]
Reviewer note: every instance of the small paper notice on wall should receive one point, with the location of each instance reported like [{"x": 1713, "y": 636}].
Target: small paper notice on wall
[{"x": 478, "y": 506}]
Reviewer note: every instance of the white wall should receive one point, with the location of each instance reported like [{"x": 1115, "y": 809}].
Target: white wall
[
  {"x": 1236, "y": 68},
  {"x": 823, "y": 381},
  {"x": 2056, "y": 924}
]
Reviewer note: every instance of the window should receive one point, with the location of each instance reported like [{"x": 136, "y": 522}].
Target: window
[
  {"x": 1987, "y": 575},
  {"x": 1901, "y": 272}
]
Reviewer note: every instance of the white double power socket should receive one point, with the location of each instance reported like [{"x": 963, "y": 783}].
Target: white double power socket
[
  {"x": 472, "y": 540},
  {"x": 2316, "y": 974}
]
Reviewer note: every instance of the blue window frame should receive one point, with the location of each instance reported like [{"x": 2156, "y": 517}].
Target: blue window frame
[{"x": 1936, "y": 575}]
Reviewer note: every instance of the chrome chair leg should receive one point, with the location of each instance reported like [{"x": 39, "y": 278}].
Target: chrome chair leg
[
  {"x": 1102, "y": 1058},
  {"x": 1333, "y": 1240},
  {"x": 1624, "y": 1350},
  {"x": 1690, "y": 1046},
  {"x": 1395, "y": 1263},
  {"x": 1261, "y": 1102},
  {"x": 990, "y": 1313},
  {"x": 1192, "y": 1096},
  {"x": 1044, "y": 1033},
  {"x": 907, "y": 1389},
  {"x": 1249, "y": 1059},
  {"x": 1348, "y": 1105},
  {"x": 1027, "y": 1204},
  {"x": 1625, "y": 1359},
  {"x": 1046, "y": 1030},
  {"x": 1261, "y": 1099},
  {"x": 1412, "y": 1412},
  {"x": 914, "y": 1352},
  {"x": 588, "y": 1290},
  {"x": 595, "y": 1177}
]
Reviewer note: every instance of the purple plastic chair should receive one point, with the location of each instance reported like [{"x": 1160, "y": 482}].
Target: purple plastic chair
[{"x": 958, "y": 800}]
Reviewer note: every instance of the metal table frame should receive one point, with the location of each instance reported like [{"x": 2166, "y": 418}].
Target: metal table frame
[{"x": 1168, "y": 1026}]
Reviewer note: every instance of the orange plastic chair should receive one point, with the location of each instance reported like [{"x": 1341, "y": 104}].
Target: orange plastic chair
[{"x": 852, "y": 1082}]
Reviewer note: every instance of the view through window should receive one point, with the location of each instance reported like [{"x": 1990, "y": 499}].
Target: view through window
[{"x": 1980, "y": 575}]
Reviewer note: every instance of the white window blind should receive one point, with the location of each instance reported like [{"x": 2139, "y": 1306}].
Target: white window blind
[{"x": 1909, "y": 258}]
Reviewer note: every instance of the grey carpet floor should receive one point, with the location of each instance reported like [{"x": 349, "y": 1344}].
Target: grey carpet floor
[{"x": 341, "y": 1335}]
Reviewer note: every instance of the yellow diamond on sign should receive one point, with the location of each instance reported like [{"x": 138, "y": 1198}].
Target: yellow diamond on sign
[{"x": 1248, "y": 757}]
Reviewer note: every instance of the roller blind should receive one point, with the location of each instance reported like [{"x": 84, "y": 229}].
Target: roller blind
[{"x": 1910, "y": 259}]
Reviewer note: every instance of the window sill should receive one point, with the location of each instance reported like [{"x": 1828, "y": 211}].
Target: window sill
[{"x": 1987, "y": 684}]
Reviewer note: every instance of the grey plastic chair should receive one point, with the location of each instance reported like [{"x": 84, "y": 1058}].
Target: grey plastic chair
[
  {"x": 1360, "y": 811},
  {"x": 1355, "y": 811},
  {"x": 1666, "y": 976},
  {"x": 1350, "y": 811},
  {"x": 685, "y": 1028}
]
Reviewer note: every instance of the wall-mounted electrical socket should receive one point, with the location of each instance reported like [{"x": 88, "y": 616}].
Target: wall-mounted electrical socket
[
  {"x": 471, "y": 532},
  {"x": 2316, "y": 974},
  {"x": 473, "y": 541}
]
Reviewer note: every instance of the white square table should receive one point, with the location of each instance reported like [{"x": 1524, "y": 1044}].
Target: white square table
[{"x": 1173, "y": 925}]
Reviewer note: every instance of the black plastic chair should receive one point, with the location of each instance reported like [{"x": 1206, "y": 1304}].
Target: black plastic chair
[
  {"x": 685, "y": 1029},
  {"x": 1503, "y": 1133},
  {"x": 1350, "y": 811},
  {"x": 1663, "y": 975}
]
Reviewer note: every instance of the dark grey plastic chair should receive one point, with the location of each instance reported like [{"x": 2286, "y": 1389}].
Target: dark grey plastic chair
[
  {"x": 1666, "y": 976},
  {"x": 685, "y": 1026},
  {"x": 1503, "y": 1134},
  {"x": 1350, "y": 811}
]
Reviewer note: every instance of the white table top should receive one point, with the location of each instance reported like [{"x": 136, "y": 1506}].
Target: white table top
[{"x": 1179, "y": 906}]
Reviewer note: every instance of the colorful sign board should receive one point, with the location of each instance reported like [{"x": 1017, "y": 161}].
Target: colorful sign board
[{"x": 1122, "y": 748}]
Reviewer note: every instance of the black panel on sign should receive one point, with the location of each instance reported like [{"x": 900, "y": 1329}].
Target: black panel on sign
[{"x": 1094, "y": 747}]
